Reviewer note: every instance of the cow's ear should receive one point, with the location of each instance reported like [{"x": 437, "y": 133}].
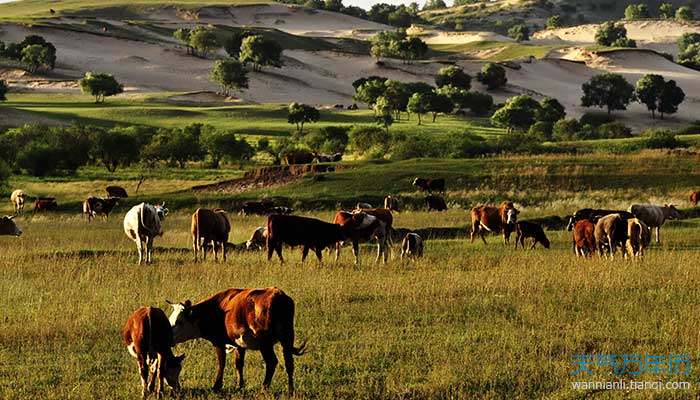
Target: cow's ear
[{"x": 187, "y": 304}]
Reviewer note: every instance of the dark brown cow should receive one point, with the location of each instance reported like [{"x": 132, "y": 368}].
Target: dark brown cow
[
  {"x": 149, "y": 338},
  {"x": 493, "y": 219},
  {"x": 584, "y": 238},
  {"x": 299, "y": 157},
  {"x": 8, "y": 227},
  {"x": 45, "y": 204},
  {"x": 378, "y": 230},
  {"x": 238, "y": 320},
  {"x": 429, "y": 184},
  {"x": 436, "y": 203},
  {"x": 262, "y": 207},
  {"x": 694, "y": 198},
  {"x": 526, "y": 229},
  {"x": 116, "y": 191},
  {"x": 209, "y": 226},
  {"x": 94, "y": 206},
  {"x": 392, "y": 203}
]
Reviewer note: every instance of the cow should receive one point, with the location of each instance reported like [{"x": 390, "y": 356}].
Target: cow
[
  {"x": 8, "y": 227},
  {"x": 327, "y": 158},
  {"x": 94, "y": 206},
  {"x": 392, "y": 203},
  {"x": 436, "y": 203},
  {"x": 261, "y": 207},
  {"x": 428, "y": 184},
  {"x": 494, "y": 219},
  {"x": 142, "y": 224},
  {"x": 18, "y": 198},
  {"x": 299, "y": 157},
  {"x": 638, "y": 237},
  {"x": 655, "y": 216},
  {"x": 593, "y": 215},
  {"x": 584, "y": 238},
  {"x": 116, "y": 191},
  {"x": 44, "y": 204},
  {"x": 412, "y": 246},
  {"x": 610, "y": 233},
  {"x": 362, "y": 206},
  {"x": 310, "y": 233},
  {"x": 148, "y": 337},
  {"x": 209, "y": 226},
  {"x": 694, "y": 198},
  {"x": 258, "y": 239},
  {"x": 236, "y": 320},
  {"x": 526, "y": 229},
  {"x": 378, "y": 230},
  {"x": 281, "y": 210}
]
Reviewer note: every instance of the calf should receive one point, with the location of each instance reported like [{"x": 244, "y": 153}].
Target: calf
[
  {"x": 94, "y": 206},
  {"x": 392, "y": 203},
  {"x": 412, "y": 246},
  {"x": 8, "y": 227},
  {"x": 209, "y": 226},
  {"x": 148, "y": 337},
  {"x": 694, "y": 198},
  {"x": 258, "y": 239},
  {"x": 436, "y": 203},
  {"x": 429, "y": 185},
  {"x": 584, "y": 238},
  {"x": 18, "y": 199},
  {"x": 610, "y": 233},
  {"x": 45, "y": 204},
  {"x": 116, "y": 191},
  {"x": 638, "y": 237},
  {"x": 525, "y": 229}
]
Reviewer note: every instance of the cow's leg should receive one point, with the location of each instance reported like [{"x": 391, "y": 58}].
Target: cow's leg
[
  {"x": 160, "y": 369},
  {"x": 612, "y": 247},
  {"x": 534, "y": 243},
  {"x": 139, "y": 247},
  {"x": 270, "y": 249},
  {"x": 149, "y": 248},
  {"x": 268, "y": 354},
  {"x": 239, "y": 355},
  {"x": 304, "y": 253},
  {"x": 220, "y": 365},
  {"x": 143, "y": 371},
  {"x": 319, "y": 254},
  {"x": 223, "y": 250},
  {"x": 195, "y": 246},
  {"x": 483, "y": 235},
  {"x": 658, "y": 234},
  {"x": 356, "y": 251},
  {"x": 337, "y": 250},
  {"x": 278, "y": 250},
  {"x": 289, "y": 366},
  {"x": 215, "y": 249}
]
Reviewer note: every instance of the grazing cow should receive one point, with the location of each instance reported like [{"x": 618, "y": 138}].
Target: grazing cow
[
  {"x": 8, "y": 227},
  {"x": 258, "y": 239},
  {"x": 299, "y": 157},
  {"x": 593, "y": 215},
  {"x": 310, "y": 233},
  {"x": 412, "y": 246},
  {"x": 436, "y": 203},
  {"x": 584, "y": 238},
  {"x": 392, "y": 203},
  {"x": 142, "y": 224},
  {"x": 526, "y": 229},
  {"x": 237, "y": 320},
  {"x": 148, "y": 337},
  {"x": 378, "y": 230},
  {"x": 209, "y": 226},
  {"x": 638, "y": 237},
  {"x": 45, "y": 204},
  {"x": 94, "y": 206},
  {"x": 116, "y": 191},
  {"x": 610, "y": 233},
  {"x": 281, "y": 210},
  {"x": 261, "y": 207},
  {"x": 493, "y": 219},
  {"x": 327, "y": 158},
  {"x": 339, "y": 106},
  {"x": 429, "y": 185},
  {"x": 655, "y": 216},
  {"x": 694, "y": 198},
  {"x": 18, "y": 198},
  {"x": 362, "y": 206}
]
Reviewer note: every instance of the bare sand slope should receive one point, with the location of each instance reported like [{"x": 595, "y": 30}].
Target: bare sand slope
[{"x": 463, "y": 37}]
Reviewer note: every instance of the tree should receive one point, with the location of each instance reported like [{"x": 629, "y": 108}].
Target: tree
[
  {"x": 671, "y": 96},
  {"x": 454, "y": 76},
  {"x": 383, "y": 112},
  {"x": 225, "y": 146},
  {"x": 49, "y": 56},
  {"x": 100, "y": 86},
  {"x": 520, "y": 33},
  {"x": 551, "y": 111},
  {"x": 553, "y": 22},
  {"x": 690, "y": 57},
  {"x": 612, "y": 34},
  {"x": 230, "y": 74},
  {"x": 386, "y": 43},
  {"x": 177, "y": 146},
  {"x": 418, "y": 104},
  {"x": 329, "y": 139},
  {"x": 3, "y": 90},
  {"x": 666, "y": 10},
  {"x": 648, "y": 89},
  {"x": 361, "y": 81},
  {"x": 459, "y": 97},
  {"x": 202, "y": 40},
  {"x": 607, "y": 90},
  {"x": 300, "y": 114},
  {"x": 636, "y": 11},
  {"x": 397, "y": 94},
  {"x": 519, "y": 113},
  {"x": 370, "y": 91},
  {"x": 233, "y": 43},
  {"x": 413, "y": 48},
  {"x": 479, "y": 103},
  {"x": 261, "y": 52},
  {"x": 684, "y": 13},
  {"x": 115, "y": 148},
  {"x": 493, "y": 76},
  {"x": 566, "y": 129},
  {"x": 183, "y": 35},
  {"x": 686, "y": 40},
  {"x": 333, "y": 5},
  {"x": 34, "y": 56},
  {"x": 434, "y": 5},
  {"x": 366, "y": 138},
  {"x": 542, "y": 130},
  {"x": 439, "y": 103}
]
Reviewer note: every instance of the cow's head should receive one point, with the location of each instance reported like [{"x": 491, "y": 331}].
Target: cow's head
[
  {"x": 173, "y": 367},
  {"x": 8, "y": 227},
  {"x": 671, "y": 212},
  {"x": 418, "y": 182},
  {"x": 161, "y": 210},
  {"x": 184, "y": 324},
  {"x": 511, "y": 216}
]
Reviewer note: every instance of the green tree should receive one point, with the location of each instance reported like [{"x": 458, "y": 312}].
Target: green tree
[
  {"x": 542, "y": 130},
  {"x": 493, "y": 76},
  {"x": 100, "y": 85},
  {"x": 183, "y": 35},
  {"x": 202, "y": 40},
  {"x": 566, "y": 129},
  {"x": 479, "y": 103},
  {"x": 686, "y": 40},
  {"x": 49, "y": 56},
  {"x": 459, "y": 97},
  {"x": 671, "y": 96},
  {"x": 611, "y": 34},
  {"x": 648, "y": 89},
  {"x": 454, "y": 76},
  {"x": 383, "y": 112},
  {"x": 684, "y": 13},
  {"x": 607, "y": 90},
  {"x": 666, "y": 10},
  {"x": 300, "y": 114},
  {"x": 365, "y": 139},
  {"x": 3, "y": 90},
  {"x": 387, "y": 44},
  {"x": 413, "y": 48},
  {"x": 636, "y": 11},
  {"x": 333, "y": 5},
  {"x": 225, "y": 146},
  {"x": 34, "y": 57},
  {"x": 370, "y": 91},
  {"x": 115, "y": 148},
  {"x": 261, "y": 52},
  {"x": 554, "y": 22},
  {"x": 233, "y": 43},
  {"x": 519, "y": 113},
  {"x": 176, "y": 146},
  {"x": 418, "y": 104},
  {"x": 690, "y": 57},
  {"x": 434, "y": 5},
  {"x": 439, "y": 103},
  {"x": 230, "y": 74},
  {"x": 520, "y": 33},
  {"x": 551, "y": 111},
  {"x": 397, "y": 94},
  {"x": 329, "y": 139}
]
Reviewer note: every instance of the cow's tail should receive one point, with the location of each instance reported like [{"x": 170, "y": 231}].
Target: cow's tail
[
  {"x": 197, "y": 235},
  {"x": 483, "y": 226},
  {"x": 282, "y": 318},
  {"x": 149, "y": 310}
]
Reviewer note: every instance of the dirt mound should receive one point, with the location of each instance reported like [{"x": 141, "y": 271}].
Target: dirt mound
[{"x": 132, "y": 59}]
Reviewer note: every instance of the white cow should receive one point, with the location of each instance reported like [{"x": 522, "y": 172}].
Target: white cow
[
  {"x": 18, "y": 198},
  {"x": 654, "y": 216},
  {"x": 142, "y": 224}
]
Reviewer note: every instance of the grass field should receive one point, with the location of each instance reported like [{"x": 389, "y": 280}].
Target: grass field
[{"x": 502, "y": 51}]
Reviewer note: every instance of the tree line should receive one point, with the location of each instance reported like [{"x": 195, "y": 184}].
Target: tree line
[
  {"x": 34, "y": 52},
  {"x": 401, "y": 16}
]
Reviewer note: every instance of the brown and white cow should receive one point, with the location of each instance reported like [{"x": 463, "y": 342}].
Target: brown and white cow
[
  {"x": 694, "y": 198},
  {"x": 391, "y": 203},
  {"x": 45, "y": 204},
  {"x": 610, "y": 233},
  {"x": 18, "y": 198},
  {"x": 638, "y": 237},
  {"x": 209, "y": 227},
  {"x": 142, "y": 224},
  {"x": 94, "y": 206},
  {"x": 494, "y": 219},
  {"x": 258, "y": 239},
  {"x": 378, "y": 230},
  {"x": 526, "y": 229},
  {"x": 655, "y": 216},
  {"x": 237, "y": 320},
  {"x": 584, "y": 238},
  {"x": 8, "y": 227},
  {"x": 430, "y": 184},
  {"x": 148, "y": 337},
  {"x": 412, "y": 246}
]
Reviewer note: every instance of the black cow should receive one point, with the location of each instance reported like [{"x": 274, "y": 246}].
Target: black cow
[
  {"x": 436, "y": 203},
  {"x": 430, "y": 185}
]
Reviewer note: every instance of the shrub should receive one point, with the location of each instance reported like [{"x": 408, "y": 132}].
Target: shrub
[
  {"x": 596, "y": 119},
  {"x": 614, "y": 130},
  {"x": 662, "y": 139},
  {"x": 366, "y": 139},
  {"x": 492, "y": 75},
  {"x": 542, "y": 130},
  {"x": 566, "y": 129},
  {"x": 329, "y": 139}
]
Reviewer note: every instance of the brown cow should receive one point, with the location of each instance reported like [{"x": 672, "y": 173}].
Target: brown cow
[
  {"x": 237, "y": 320},
  {"x": 209, "y": 226},
  {"x": 584, "y": 238},
  {"x": 638, "y": 237},
  {"x": 492, "y": 219},
  {"x": 379, "y": 231},
  {"x": 430, "y": 184},
  {"x": 94, "y": 206},
  {"x": 694, "y": 198},
  {"x": 299, "y": 157},
  {"x": 8, "y": 227},
  {"x": 526, "y": 229},
  {"x": 45, "y": 204},
  {"x": 149, "y": 338},
  {"x": 610, "y": 233},
  {"x": 116, "y": 191}
]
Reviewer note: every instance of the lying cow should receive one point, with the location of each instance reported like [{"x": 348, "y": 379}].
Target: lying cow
[
  {"x": 526, "y": 229},
  {"x": 429, "y": 185},
  {"x": 638, "y": 237},
  {"x": 8, "y": 227},
  {"x": 694, "y": 198},
  {"x": 281, "y": 210},
  {"x": 237, "y": 320},
  {"x": 492, "y": 219},
  {"x": 584, "y": 238},
  {"x": 142, "y": 224},
  {"x": 610, "y": 233},
  {"x": 116, "y": 191},
  {"x": 392, "y": 203},
  {"x": 412, "y": 246},
  {"x": 655, "y": 216},
  {"x": 94, "y": 206},
  {"x": 377, "y": 230},
  {"x": 436, "y": 203},
  {"x": 209, "y": 227},
  {"x": 258, "y": 239},
  {"x": 45, "y": 204},
  {"x": 148, "y": 337},
  {"x": 18, "y": 198},
  {"x": 593, "y": 215}
]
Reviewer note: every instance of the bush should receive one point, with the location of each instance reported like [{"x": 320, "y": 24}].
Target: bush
[
  {"x": 566, "y": 129},
  {"x": 614, "y": 130},
  {"x": 329, "y": 139},
  {"x": 542, "y": 130},
  {"x": 596, "y": 119},
  {"x": 366, "y": 139},
  {"x": 662, "y": 139}
]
